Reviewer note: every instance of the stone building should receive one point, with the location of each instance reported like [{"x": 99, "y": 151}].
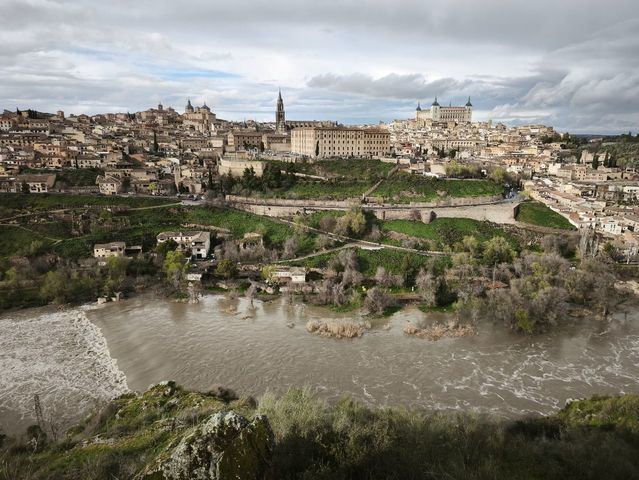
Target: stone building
[
  {"x": 200, "y": 119},
  {"x": 106, "y": 250},
  {"x": 437, "y": 113},
  {"x": 196, "y": 243},
  {"x": 327, "y": 142}
]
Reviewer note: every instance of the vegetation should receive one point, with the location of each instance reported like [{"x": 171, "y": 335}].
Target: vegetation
[
  {"x": 447, "y": 231},
  {"x": 539, "y": 214},
  {"x": 406, "y": 188},
  {"x": 593, "y": 439}
]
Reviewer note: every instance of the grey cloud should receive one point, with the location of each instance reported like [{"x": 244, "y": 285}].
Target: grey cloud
[
  {"x": 414, "y": 86},
  {"x": 90, "y": 56}
]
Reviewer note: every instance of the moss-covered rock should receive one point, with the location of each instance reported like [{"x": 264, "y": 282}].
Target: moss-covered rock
[{"x": 225, "y": 446}]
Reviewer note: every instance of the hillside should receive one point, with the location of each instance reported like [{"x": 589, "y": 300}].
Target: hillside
[{"x": 171, "y": 433}]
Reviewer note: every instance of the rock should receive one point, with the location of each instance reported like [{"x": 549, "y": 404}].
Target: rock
[{"x": 225, "y": 446}]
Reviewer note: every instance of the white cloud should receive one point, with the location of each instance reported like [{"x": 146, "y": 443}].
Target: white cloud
[{"x": 555, "y": 62}]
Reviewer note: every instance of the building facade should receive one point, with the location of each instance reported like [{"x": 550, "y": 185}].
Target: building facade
[
  {"x": 437, "y": 113},
  {"x": 197, "y": 243},
  {"x": 327, "y": 142}
]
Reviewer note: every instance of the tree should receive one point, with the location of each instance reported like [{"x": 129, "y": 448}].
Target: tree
[
  {"x": 377, "y": 301},
  {"x": 317, "y": 149},
  {"x": 226, "y": 268},
  {"x": 165, "y": 247},
  {"x": 353, "y": 223},
  {"x": 595, "y": 162},
  {"x": 327, "y": 223},
  {"x": 227, "y": 182},
  {"x": 174, "y": 267},
  {"x": 471, "y": 245},
  {"x": 249, "y": 179},
  {"x": 387, "y": 279},
  {"x": 291, "y": 245},
  {"x": 497, "y": 250},
  {"x": 116, "y": 273},
  {"x": 25, "y": 187},
  {"x": 251, "y": 292}
]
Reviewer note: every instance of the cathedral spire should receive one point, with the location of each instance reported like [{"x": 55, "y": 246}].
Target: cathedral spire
[{"x": 280, "y": 118}]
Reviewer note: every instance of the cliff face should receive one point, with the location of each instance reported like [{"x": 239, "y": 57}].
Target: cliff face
[{"x": 168, "y": 433}]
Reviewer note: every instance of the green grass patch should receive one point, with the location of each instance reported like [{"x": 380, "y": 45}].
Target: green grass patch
[
  {"x": 406, "y": 188},
  {"x": 46, "y": 201},
  {"x": 354, "y": 169},
  {"x": 536, "y": 213},
  {"x": 447, "y": 231}
]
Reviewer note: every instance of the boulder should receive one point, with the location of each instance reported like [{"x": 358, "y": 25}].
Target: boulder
[{"x": 225, "y": 446}]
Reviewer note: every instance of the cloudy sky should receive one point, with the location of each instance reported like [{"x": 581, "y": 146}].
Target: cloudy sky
[{"x": 573, "y": 64}]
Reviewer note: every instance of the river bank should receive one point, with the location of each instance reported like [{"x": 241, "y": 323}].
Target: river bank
[{"x": 265, "y": 347}]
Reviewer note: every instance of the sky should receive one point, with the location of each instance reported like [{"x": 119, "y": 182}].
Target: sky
[{"x": 573, "y": 64}]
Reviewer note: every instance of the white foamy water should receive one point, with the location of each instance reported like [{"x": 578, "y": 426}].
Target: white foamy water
[{"x": 62, "y": 357}]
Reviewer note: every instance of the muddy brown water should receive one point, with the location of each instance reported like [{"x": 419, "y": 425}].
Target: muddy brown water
[{"x": 78, "y": 358}]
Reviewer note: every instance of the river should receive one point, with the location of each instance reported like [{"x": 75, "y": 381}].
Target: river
[{"x": 77, "y": 358}]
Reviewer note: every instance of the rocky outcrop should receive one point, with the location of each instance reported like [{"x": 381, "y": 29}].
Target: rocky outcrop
[{"x": 225, "y": 446}]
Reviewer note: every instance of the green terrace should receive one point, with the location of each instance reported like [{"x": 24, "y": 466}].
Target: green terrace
[{"x": 536, "y": 213}]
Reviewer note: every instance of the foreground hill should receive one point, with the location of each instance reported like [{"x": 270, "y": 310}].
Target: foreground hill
[{"x": 170, "y": 433}]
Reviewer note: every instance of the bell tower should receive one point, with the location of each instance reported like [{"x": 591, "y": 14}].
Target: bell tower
[{"x": 280, "y": 119}]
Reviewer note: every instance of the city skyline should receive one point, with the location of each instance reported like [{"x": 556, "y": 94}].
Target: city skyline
[{"x": 565, "y": 65}]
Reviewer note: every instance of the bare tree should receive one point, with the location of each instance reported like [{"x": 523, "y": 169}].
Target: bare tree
[
  {"x": 387, "y": 279},
  {"x": 251, "y": 292},
  {"x": 291, "y": 245},
  {"x": 327, "y": 223},
  {"x": 427, "y": 286},
  {"x": 377, "y": 301}
]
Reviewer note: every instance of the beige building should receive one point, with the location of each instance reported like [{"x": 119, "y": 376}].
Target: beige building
[
  {"x": 437, "y": 113},
  {"x": 326, "y": 142},
  {"x": 109, "y": 185},
  {"x": 106, "y": 250},
  {"x": 196, "y": 243}
]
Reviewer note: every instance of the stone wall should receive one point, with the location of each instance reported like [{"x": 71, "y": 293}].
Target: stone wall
[{"x": 497, "y": 212}]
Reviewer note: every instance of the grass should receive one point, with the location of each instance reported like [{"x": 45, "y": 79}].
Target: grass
[
  {"x": 536, "y": 213},
  {"x": 46, "y": 201},
  {"x": 354, "y": 169},
  {"x": 330, "y": 190},
  {"x": 135, "y": 227},
  {"x": 406, "y": 188},
  {"x": 446, "y": 231}
]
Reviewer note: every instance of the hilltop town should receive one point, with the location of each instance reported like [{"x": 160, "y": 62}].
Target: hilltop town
[
  {"x": 590, "y": 181},
  {"x": 418, "y": 210}
]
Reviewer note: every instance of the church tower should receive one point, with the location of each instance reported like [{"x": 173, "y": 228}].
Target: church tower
[
  {"x": 280, "y": 120},
  {"x": 434, "y": 111},
  {"x": 469, "y": 111}
]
